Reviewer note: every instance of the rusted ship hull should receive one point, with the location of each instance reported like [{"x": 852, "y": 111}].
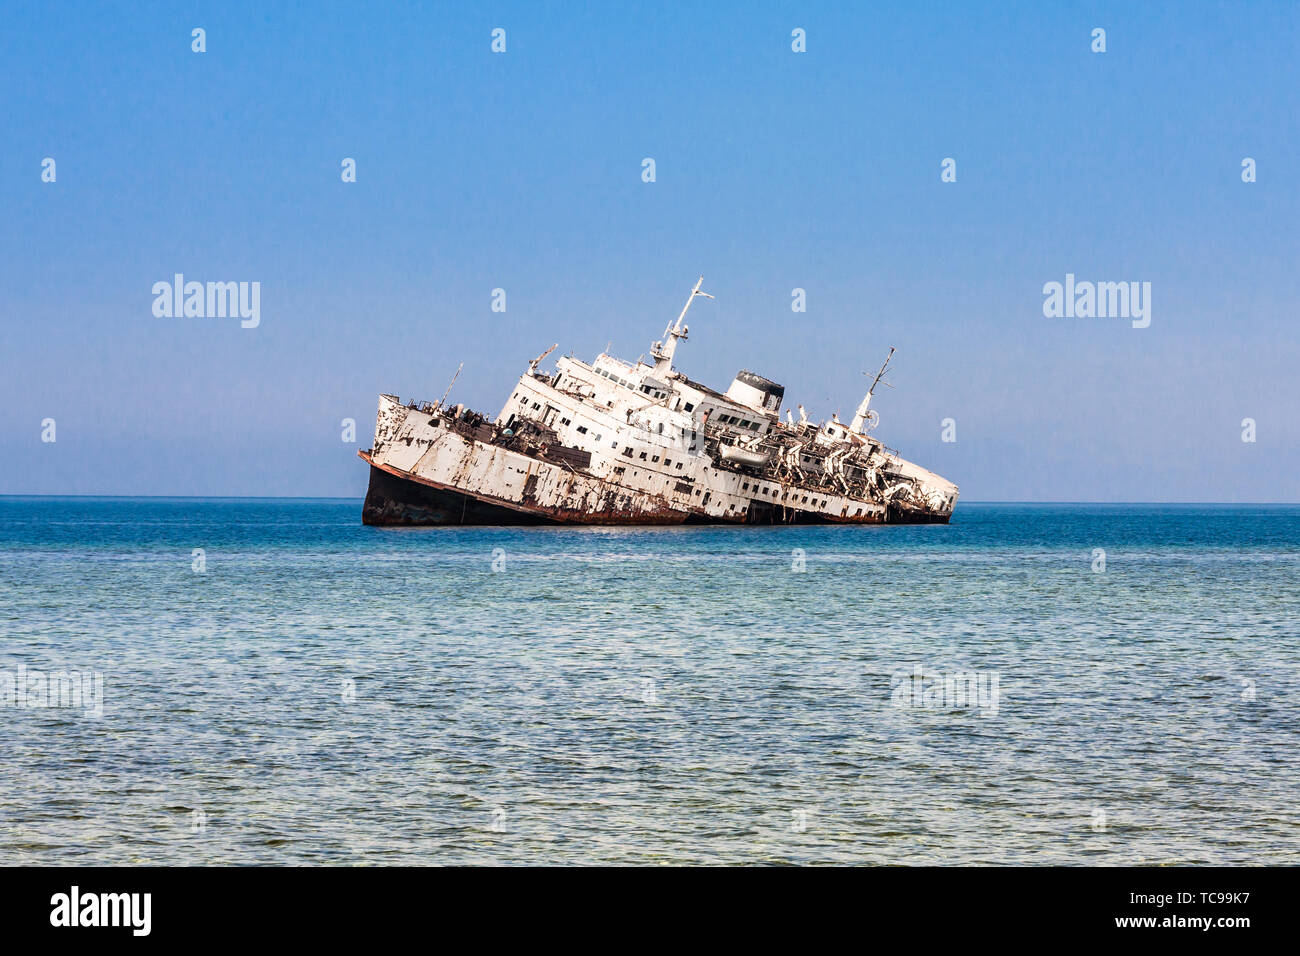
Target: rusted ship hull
[
  {"x": 397, "y": 498},
  {"x": 394, "y": 500}
]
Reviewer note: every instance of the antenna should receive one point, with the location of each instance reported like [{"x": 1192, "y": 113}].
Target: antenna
[
  {"x": 881, "y": 374},
  {"x": 443, "y": 400}
]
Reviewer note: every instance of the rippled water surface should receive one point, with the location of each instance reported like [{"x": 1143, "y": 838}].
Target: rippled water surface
[{"x": 324, "y": 692}]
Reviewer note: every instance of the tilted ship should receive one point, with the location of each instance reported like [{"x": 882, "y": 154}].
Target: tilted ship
[{"x": 616, "y": 443}]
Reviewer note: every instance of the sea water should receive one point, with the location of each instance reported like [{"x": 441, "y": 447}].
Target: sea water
[{"x": 1095, "y": 684}]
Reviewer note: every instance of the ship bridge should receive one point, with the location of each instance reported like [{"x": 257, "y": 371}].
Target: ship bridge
[{"x": 757, "y": 392}]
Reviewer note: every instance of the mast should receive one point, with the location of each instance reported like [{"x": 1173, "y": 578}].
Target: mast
[
  {"x": 663, "y": 351},
  {"x": 860, "y": 416}
]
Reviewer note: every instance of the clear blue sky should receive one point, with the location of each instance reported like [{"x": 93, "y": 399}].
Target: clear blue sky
[{"x": 775, "y": 170}]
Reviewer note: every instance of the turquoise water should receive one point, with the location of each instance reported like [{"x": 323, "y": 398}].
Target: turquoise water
[{"x": 324, "y": 692}]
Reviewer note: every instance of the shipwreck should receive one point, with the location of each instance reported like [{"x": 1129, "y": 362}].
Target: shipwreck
[{"x": 611, "y": 442}]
